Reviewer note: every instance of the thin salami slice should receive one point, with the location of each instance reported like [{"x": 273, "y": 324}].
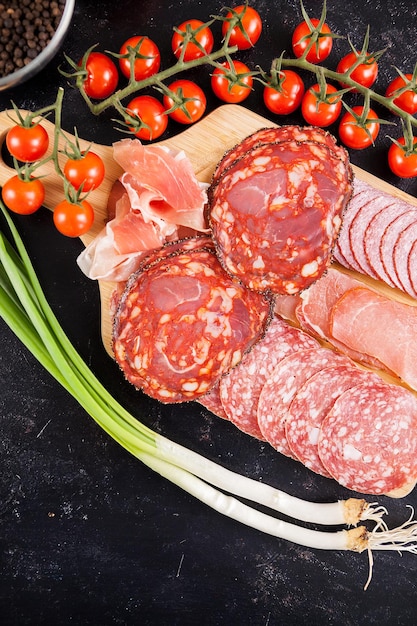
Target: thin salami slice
[
  {"x": 241, "y": 387},
  {"x": 389, "y": 241},
  {"x": 311, "y": 405},
  {"x": 212, "y": 401},
  {"x": 276, "y": 215},
  {"x": 282, "y": 386},
  {"x": 367, "y": 441},
  {"x": 412, "y": 268},
  {"x": 182, "y": 323},
  {"x": 342, "y": 251},
  {"x": 401, "y": 254}
]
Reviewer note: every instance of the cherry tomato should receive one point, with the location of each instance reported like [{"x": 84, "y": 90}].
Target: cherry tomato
[
  {"x": 301, "y": 38},
  {"x": 407, "y": 101},
  {"x": 203, "y": 36},
  {"x": 87, "y": 171},
  {"x": 195, "y": 101},
  {"x": 102, "y": 76},
  {"x": 247, "y": 31},
  {"x": 224, "y": 87},
  {"x": 149, "y": 59},
  {"x": 23, "y": 196},
  {"x": 365, "y": 74},
  {"x": 151, "y": 112},
  {"x": 289, "y": 98},
  {"x": 27, "y": 144},
  {"x": 319, "y": 113},
  {"x": 73, "y": 220},
  {"x": 355, "y": 136},
  {"x": 400, "y": 164}
]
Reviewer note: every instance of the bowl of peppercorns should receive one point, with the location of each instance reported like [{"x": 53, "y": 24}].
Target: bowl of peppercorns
[{"x": 31, "y": 33}]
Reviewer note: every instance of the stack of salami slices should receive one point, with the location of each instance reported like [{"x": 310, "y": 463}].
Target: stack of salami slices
[{"x": 318, "y": 407}]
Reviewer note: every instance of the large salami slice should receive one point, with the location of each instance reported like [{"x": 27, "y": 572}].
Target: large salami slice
[
  {"x": 389, "y": 241},
  {"x": 367, "y": 441},
  {"x": 281, "y": 388},
  {"x": 310, "y": 407},
  {"x": 276, "y": 215},
  {"x": 241, "y": 387},
  {"x": 403, "y": 266},
  {"x": 181, "y": 323}
]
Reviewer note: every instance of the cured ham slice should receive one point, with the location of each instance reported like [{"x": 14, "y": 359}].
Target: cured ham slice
[{"x": 368, "y": 322}]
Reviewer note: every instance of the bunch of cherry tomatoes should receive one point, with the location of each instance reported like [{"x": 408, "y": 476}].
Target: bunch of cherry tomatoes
[{"x": 184, "y": 101}]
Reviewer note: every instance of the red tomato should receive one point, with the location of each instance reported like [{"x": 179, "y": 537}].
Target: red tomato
[
  {"x": 289, "y": 97},
  {"x": 149, "y": 59},
  {"x": 301, "y": 39},
  {"x": 365, "y": 74},
  {"x": 151, "y": 112},
  {"x": 202, "y": 35},
  {"x": 226, "y": 87},
  {"x": 87, "y": 171},
  {"x": 355, "y": 136},
  {"x": 102, "y": 76},
  {"x": 73, "y": 220},
  {"x": 401, "y": 164},
  {"x": 27, "y": 144},
  {"x": 247, "y": 30},
  {"x": 195, "y": 102},
  {"x": 23, "y": 196},
  {"x": 318, "y": 113},
  {"x": 407, "y": 100}
]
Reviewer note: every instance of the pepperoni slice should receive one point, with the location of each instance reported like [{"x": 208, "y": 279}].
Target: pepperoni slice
[
  {"x": 367, "y": 441},
  {"x": 310, "y": 407},
  {"x": 241, "y": 388},
  {"x": 182, "y": 323},
  {"x": 281, "y": 388}
]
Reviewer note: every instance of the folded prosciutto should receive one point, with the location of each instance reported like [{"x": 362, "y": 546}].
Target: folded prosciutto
[{"x": 157, "y": 199}]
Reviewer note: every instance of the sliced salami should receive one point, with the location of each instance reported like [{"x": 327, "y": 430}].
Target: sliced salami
[
  {"x": 241, "y": 387},
  {"x": 181, "y": 323},
  {"x": 373, "y": 235},
  {"x": 389, "y": 242},
  {"x": 310, "y": 407},
  {"x": 402, "y": 249},
  {"x": 282, "y": 386},
  {"x": 212, "y": 401},
  {"x": 412, "y": 268},
  {"x": 367, "y": 441}
]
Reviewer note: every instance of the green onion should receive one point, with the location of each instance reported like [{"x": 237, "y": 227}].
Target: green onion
[{"x": 24, "y": 308}]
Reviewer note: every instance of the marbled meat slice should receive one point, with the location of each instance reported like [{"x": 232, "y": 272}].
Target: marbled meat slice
[
  {"x": 276, "y": 215},
  {"x": 181, "y": 323},
  {"x": 241, "y": 387},
  {"x": 367, "y": 441},
  {"x": 367, "y": 321},
  {"x": 281, "y": 388},
  {"x": 310, "y": 407}
]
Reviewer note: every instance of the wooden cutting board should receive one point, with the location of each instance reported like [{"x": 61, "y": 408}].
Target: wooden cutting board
[{"x": 204, "y": 143}]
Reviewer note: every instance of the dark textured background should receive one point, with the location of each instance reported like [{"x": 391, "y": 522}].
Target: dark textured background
[{"x": 87, "y": 534}]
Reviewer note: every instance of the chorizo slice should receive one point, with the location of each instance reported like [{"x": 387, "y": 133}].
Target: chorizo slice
[{"x": 181, "y": 323}]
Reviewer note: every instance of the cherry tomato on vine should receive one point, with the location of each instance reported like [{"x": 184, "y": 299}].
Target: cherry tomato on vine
[
  {"x": 318, "y": 113},
  {"x": 87, "y": 171},
  {"x": 23, "y": 196},
  {"x": 401, "y": 164},
  {"x": 203, "y": 36},
  {"x": 407, "y": 101},
  {"x": 152, "y": 114},
  {"x": 73, "y": 220},
  {"x": 365, "y": 74},
  {"x": 353, "y": 134},
  {"x": 149, "y": 59},
  {"x": 195, "y": 101},
  {"x": 290, "y": 95},
  {"x": 102, "y": 76},
  {"x": 27, "y": 144},
  {"x": 247, "y": 31},
  {"x": 301, "y": 39},
  {"x": 224, "y": 86}
]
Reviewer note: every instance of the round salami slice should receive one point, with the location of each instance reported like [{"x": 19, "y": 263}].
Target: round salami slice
[
  {"x": 276, "y": 215},
  {"x": 241, "y": 387},
  {"x": 373, "y": 235},
  {"x": 212, "y": 401},
  {"x": 342, "y": 250},
  {"x": 311, "y": 405},
  {"x": 412, "y": 268},
  {"x": 389, "y": 241},
  {"x": 402, "y": 251},
  {"x": 281, "y": 388},
  {"x": 367, "y": 441},
  {"x": 181, "y": 323}
]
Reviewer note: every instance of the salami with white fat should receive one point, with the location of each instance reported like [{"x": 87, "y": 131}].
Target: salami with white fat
[{"x": 367, "y": 441}]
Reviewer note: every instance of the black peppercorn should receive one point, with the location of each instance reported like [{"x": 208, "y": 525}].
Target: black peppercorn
[{"x": 26, "y": 27}]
